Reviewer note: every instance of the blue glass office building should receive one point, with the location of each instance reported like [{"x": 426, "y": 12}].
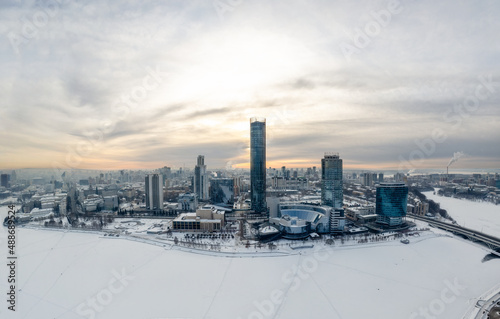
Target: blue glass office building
[
  {"x": 258, "y": 164},
  {"x": 392, "y": 199}
]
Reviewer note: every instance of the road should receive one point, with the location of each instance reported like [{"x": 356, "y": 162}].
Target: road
[{"x": 492, "y": 242}]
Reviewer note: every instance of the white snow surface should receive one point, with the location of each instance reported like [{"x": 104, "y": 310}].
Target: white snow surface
[
  {"x": 480, "y": 216},
  {"x": 59, "y": 272}
]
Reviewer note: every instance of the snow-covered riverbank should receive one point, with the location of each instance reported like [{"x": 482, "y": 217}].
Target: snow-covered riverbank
[
  {"x": 67, "y": 275},
  {"x": 480, "y": 216}
]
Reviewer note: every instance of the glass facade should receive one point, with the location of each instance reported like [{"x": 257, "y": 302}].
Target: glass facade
[
  {"x": 200, "y": 182},
  {"x": 392, "y": 199},
  {"x": 258, "y": 164},
  {"x": 222, "y": 190},
  {"x": 331, "y": 181}
]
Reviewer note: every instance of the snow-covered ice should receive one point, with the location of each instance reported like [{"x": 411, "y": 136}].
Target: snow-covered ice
[
  {"x": 480, "y": 216},
  {"x": 62, "y": 273}
]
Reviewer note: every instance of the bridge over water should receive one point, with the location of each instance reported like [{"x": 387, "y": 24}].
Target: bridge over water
[{"x": 491, "y": 242}]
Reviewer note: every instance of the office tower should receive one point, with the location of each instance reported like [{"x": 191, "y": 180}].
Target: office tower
[
  {"x": 200, "y": 187},
  {"x": 381, "y": 177},
  {"x": 331, "y": 181},
  {"x": 4, "y": 180},
  {"x": 154, "y": 191},
  {"x": 391, "y": 201},
  {"x": 258, "y": 164}
]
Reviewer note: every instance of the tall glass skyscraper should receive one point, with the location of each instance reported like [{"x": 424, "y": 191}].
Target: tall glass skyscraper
[
  {"x": 331, "y": 181},
  {"x": 258, "y": 164},
  {"x": 200, "y": 187},
  {"x": 391, "y": 202}
]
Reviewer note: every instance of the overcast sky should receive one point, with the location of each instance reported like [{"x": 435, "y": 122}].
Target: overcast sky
[{"x": 144, "y": 84}]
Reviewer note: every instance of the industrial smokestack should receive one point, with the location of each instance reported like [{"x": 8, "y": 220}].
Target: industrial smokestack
[{"x": 455, "y": 158}]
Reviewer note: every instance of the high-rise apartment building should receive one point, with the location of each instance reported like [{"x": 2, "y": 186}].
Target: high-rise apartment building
[
  {"x": 154, "y": 191},
  {"x": 367, "y": 179},
  {"x": 258, "y": 164}
]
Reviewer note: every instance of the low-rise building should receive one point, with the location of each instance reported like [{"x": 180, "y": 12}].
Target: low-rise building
[
  {"x": 110, "y": 202},
  {"x": 285, "y": 183},
  {"x": 205, "y": 220},
  {"x": 297, "y": 221},
  {"x": 187, "y": 202}
]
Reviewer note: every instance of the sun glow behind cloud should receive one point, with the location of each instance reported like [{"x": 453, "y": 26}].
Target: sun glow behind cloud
[{"x": 277, "y": 60}]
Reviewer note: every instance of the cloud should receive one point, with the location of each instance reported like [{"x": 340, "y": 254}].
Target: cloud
[
  {"x": 281, "y": 60},
  {"x": 203, "y": 113}
]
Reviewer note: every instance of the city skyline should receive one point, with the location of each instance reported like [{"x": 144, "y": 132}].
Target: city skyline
[
  {"x": 250, "y": 159},
  {"x": 387, "y": 84}
]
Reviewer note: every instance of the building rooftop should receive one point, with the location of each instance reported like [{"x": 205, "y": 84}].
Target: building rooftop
[
  {"x": 392, "y": 184},
  {"x": 258, "y": 119}
]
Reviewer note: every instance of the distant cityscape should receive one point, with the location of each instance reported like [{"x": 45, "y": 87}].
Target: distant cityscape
[
  {"x": 261, "y": 204},
  {"x": 233, "y": 159},
  {"x": 234, "y": 212}
]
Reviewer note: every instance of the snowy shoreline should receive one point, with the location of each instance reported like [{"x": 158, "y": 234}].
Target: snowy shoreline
[
  {"x": 166, "y": 281},
  {"x": 480, "y": 216}
]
